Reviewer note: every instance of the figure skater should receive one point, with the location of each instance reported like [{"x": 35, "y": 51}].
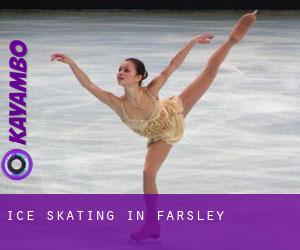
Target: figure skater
[{"x": 161, "y": 121}]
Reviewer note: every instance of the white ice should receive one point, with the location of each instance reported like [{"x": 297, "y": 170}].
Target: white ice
[{"x": 242, "y": 137}]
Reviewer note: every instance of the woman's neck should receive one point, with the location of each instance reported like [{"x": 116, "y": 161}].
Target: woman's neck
[{"x": 133, "y": 94}]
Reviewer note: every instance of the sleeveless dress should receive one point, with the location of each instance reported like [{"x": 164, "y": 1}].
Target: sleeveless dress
[{"x": 165, "y": 123}]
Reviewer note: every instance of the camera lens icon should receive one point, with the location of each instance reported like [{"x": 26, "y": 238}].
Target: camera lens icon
[{"x": 17, "y": 164}]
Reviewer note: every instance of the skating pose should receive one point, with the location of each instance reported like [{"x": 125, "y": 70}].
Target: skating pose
[{"x": 161, "y": 121}]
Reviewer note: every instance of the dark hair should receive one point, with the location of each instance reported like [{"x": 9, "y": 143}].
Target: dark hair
[{"x": 139, "y": 67}]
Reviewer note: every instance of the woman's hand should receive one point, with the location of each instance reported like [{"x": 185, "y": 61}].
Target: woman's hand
[
  {"x": 61, "y": 58},
  {"x": 203, "y": 38}
]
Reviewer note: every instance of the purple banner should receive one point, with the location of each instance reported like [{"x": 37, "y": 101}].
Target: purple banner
[{"x": 138, "y": 221}]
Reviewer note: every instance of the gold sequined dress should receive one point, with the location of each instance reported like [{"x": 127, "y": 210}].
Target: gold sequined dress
[{"x": 165, "y": 123}]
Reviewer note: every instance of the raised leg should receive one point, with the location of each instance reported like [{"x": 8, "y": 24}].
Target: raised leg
[
  {"x": 198, "y": 87},
  {"x": 192, "y": 93}
]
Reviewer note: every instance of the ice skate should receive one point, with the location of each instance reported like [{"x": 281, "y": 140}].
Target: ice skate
[{"x": 148, "y": 230}]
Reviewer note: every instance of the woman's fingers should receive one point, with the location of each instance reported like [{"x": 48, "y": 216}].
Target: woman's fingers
[
  {"x": 208, "y": 35},
  {"x": 209, "y": 38},
  {"x": 205, "y": 38},
  {"x": 58, "y": 57},
  {"x": 53, "y": 58},
  {"x": 58, "y": 54}
]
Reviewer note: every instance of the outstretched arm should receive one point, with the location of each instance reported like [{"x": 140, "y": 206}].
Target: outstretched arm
[
  {"x": 156, "y": 84},
  {"x": 104, "y": 96}
]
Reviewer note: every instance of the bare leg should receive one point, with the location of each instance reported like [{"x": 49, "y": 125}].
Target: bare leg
[
  {"x": 198, "y": 87},
  {"x": 157, "y": 153}
]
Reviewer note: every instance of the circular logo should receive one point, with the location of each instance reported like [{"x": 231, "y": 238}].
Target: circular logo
[{"x": 16, "y": 164}]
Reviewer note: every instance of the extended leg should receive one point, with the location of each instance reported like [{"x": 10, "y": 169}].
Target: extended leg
[
  {"x": 192, "y": 93},
  {"x": 198, "y": 87}
]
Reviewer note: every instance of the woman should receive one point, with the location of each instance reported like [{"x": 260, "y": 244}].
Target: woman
[{"x": 140, "y": 108}]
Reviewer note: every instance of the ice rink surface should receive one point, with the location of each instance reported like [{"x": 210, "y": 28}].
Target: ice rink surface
[{"x": 242, "y": 137}]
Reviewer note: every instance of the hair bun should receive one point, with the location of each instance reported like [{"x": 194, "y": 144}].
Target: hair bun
[{"x": 145, "y": 75}]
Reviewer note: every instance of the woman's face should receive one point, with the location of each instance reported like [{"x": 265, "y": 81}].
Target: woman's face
[{"x": 127, "y": 74}]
